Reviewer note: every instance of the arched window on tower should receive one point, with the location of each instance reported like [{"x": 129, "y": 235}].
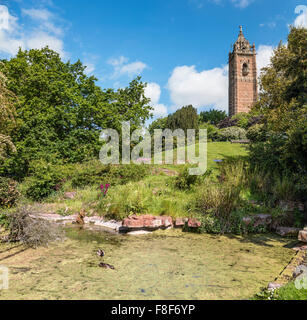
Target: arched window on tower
[{"x": 245, "y": 69}]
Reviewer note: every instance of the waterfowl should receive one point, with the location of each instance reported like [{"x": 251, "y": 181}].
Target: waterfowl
[
  {"x": 106, "y": 265},
  {"x": 100, "y": 253}
]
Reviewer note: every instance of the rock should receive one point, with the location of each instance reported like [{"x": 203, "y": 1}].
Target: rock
[
  {"x": 147, "y": 222},
  {"x": 180, "y": 222},
  {"x": 274, "y": 286},
  {"x": 194, "y": 223},
  {"x": 247, "y": 220},
  {"x": 302, "y": 236},
  {"x": 301, "y": 269},
  {"x": 138, "y": 233},
  {"x": 70, "y": 195},
  {"x": 262, "y": 220},
  {"x": 300, "y": 248},
  {"x": 287, "y": 231},
  {"x": 291, "y": 205}
]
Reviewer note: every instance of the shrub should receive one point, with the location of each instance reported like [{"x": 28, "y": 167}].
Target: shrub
[
  {"x": 242, "y": 119},
  {"x": 256, "y": 133},
  {"x": 212, "y": 131},
  {"x": 125, "y": 200},
  {"x": 228, "y": 122},
  {"x": 234, "y": 172},
  {"x": 184, "y": 180},
  {"x": 95, "y": 173},
  {"x": 31, "y": 232},
  {"x": 8, "y": 192},
  {"x": 232, "y": 133},
  {"x": 218, "y": 200},
  {"x": 45, "y": 179},
  {"x": 212, "y": 116}
]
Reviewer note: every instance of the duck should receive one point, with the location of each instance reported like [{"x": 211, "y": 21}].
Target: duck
[
  {"x": 100, "y": 253},
  {"x": 106, "y": 265}
]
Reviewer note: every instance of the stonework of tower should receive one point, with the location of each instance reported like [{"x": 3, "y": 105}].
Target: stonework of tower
[{"x": 243, "y": 91}]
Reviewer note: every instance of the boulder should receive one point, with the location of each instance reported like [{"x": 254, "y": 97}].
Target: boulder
[
  {"x": 180, "y": 222},
  {"x": 247, "y": 220},
  {"x": 290, "y": 206},
  {"x": 274, "y": 286},
  {"x": 302, "y": 236},
  {"x": 70, "y": 195},
  {"x": 147, "y": 222},
  {"x": 262, "y": 220},
  {"x": 194, "y": 223},
  {"x": 287, "y": 231}
]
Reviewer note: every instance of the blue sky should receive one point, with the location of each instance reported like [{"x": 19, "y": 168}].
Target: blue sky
[{"x": 180, "y": 47}]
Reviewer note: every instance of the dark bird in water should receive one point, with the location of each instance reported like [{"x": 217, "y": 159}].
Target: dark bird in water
[
  {"x": 106, "y": 265},
  {"x": 100, "y": 253}
]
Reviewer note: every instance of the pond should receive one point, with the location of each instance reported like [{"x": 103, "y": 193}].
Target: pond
[{"x": 162, "y": 265}]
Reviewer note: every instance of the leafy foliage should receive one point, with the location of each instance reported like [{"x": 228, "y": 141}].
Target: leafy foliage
[
  {"x": 44, "y": 180},
  {"x": 184, "y": 118},
  {"x": 283, "y": 103},
  {"x": 8, "y": 192},
  {"x": 232, "y": 133},
  {"x": 7, "y": 118},
  {"x": 61, "y": 111},
  {"x": 256, "y": 133},
  {"x": 212, "y": 116}
]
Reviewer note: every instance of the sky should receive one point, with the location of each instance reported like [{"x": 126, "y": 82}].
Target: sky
[{"x": 179, "y": 47}]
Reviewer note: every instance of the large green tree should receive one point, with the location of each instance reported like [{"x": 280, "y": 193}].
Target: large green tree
[
  {"x": 61, "y": 110},
  {"x": 184, "y": 118},
  {"x": 283, "y": 102},
  {"x": 7, "y": 119}
]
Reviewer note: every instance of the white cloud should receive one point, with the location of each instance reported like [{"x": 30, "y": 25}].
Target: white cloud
[
  {"x": 42, "y": 39},
  {"x": 264, "y": 55},
  {"x": 153, "y": 92},
  {"x": 301, "y": 20},
  {"x": 206, "y": 88},
  {"x": 38, "y": 14},
  {"x": 41, "y": 33},
  {"x": 122, "y": 67},
  {"x": 242, "y": 3}
]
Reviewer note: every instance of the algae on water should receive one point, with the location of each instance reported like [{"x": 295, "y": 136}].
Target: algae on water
[{"x": 162, "y": 265}]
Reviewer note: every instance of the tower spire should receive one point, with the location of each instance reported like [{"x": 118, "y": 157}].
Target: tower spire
[{"x": 241, "y": 29}]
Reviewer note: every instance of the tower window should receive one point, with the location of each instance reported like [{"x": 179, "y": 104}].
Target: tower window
[{"x": 245, "y": 69}]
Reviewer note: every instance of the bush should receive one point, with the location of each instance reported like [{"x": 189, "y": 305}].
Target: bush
[
  {"x": 45, "y": 179},
  {"x": 8, "y": 192},
  {"x": 228, "y": 122},
  {"x": 184, "y": 180},
  {"x": 219, "y": 200},
  {"x": 212, "y": 116},
  {"x": 242, "y": 119},
  {"x": 31, "y": 232},
  {"x": 95, "y": 173},
  {"x": 212, "y": 131},
  {"x": 232, "y": 133},
  {"x": 256, "y": 133}
]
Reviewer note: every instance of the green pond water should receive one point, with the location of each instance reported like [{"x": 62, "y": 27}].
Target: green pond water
[{"x": 162, "y": 265}]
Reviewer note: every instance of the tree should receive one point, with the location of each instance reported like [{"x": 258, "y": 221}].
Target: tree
[
  {"x": 7, "y": 119},
  {"x": 62, "y": 111},
  {"x": 212, "y": 116},
  {"x": 184, "y": 118},
  {"x": 283, "y": 102}
]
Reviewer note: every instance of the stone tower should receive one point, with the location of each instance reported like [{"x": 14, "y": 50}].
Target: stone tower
[{"x": 243, "y": 91}]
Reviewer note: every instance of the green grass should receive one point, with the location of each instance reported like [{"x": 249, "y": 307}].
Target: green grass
[
  {"x": 155, "y": 194},
  {"x": 289, "y": 292}
]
